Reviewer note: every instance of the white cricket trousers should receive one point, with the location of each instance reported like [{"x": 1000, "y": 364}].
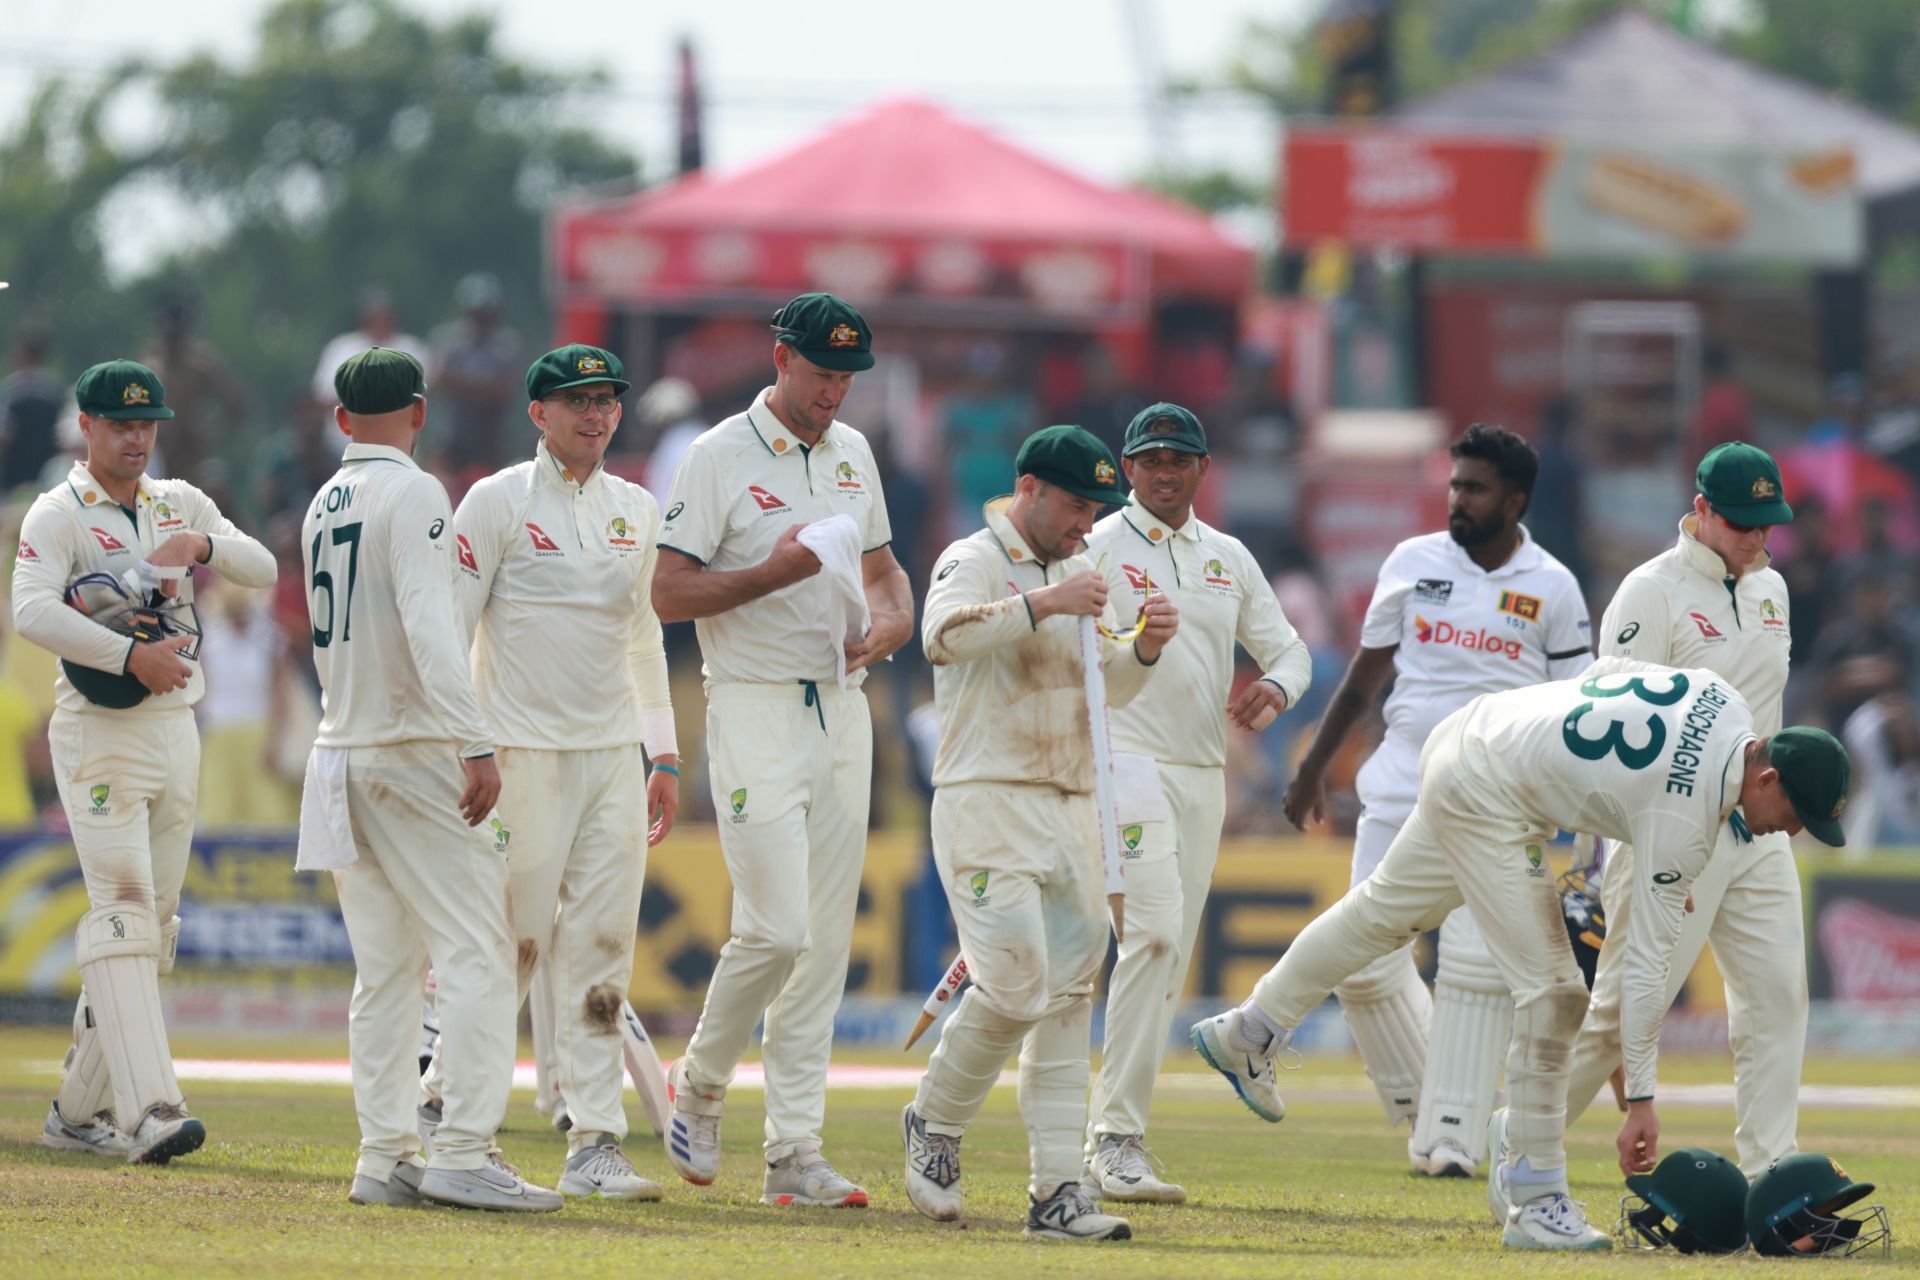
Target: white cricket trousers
[
  {"x": 1167, "y": 885},
  {"x": 128, "y": 784},
  {"x": 1460, "y": 846},
  {"x": 791, "y": 767},
  {"x": 427, "y": 890},
  {"x": 1746, "y": 904},
  {"x": 1021, "y": 867}
]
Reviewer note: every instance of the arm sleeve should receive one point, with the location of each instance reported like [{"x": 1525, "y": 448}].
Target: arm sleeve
[
  {"x": 696, "y": 518},
  {"x": 41, "y": 571},
  {"x": 235, "y": 556},
  {"x": 965, "y": 617},
  {"x": 1569, "y": 636},
  {"x": 1386, "y": 611},
  {"x": 1637, "y": 624},
  {"x": 1669, "y": 852},
  {"x": 1267, "y": 636},
  {"x": 479, "y": 543},
  {"x": 647, "y": 656},
  {"x": 418, "y": 535}
]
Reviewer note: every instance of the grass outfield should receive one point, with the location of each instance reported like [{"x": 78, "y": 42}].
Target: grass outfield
[{"x": 1324, "y": 1194}]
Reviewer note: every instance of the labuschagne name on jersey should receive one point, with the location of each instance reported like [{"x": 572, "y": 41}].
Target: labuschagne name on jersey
[{"x": 1683, "y": 766}]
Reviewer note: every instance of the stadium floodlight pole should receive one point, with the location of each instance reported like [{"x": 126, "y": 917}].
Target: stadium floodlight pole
[{"x": 948, "y": 988}]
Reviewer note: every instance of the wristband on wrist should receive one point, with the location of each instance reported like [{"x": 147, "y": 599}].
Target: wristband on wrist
[{"x": 666, "y": 768}]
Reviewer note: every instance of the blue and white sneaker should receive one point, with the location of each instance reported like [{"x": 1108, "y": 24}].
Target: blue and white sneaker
[
  {"x": 1226, "y": 1048},
  {"x": 692, "y": 1138},
  {"x": 1553, "y": 1222},
  {"x": 1070, "y": 1214}
]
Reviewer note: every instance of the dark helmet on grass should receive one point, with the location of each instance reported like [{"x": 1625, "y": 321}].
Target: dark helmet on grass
[
  {"x": 1794, "y": 1210},
  {"x": 1694, "y": 1202}
]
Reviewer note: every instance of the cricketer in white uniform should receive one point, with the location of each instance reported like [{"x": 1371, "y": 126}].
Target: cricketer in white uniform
[
  {"x": 400, "y": 779},
  {"x": 1016, "y": 833},
  {"x": 789, "y": 738},
  {"x": 555, "y": 555},
  {"x": 127, "y": 770},
  {"x": 1476, "y": 609},
  {"x": 1713, "y": 601},
  {"x": 1170, "y": 826},
  {"x": 1659, "y": 757}
]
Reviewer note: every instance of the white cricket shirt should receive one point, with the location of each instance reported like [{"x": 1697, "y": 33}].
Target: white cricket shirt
[
  {"x": 1010, "y": 694},
  {"x": 1459, "y": 631},
  {"x": 392, "y": 656},
  {"x": 75, "y": 529},
  {"x": 558, "y": 579},
  {"x": 738, "y": 488},
  {"x": 1223, "y": 597}
]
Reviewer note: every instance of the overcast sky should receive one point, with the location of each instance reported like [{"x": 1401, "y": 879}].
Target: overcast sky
[{"x": 1064, "y": 77}]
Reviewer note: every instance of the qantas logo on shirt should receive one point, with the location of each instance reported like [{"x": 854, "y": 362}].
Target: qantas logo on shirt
[
  {"x": 106, "y": 540},
  {"x": 464, "y": 550},
  {"x": 1707, "y": 630},
  {"x": 27, "y": 552},
  {"x": 1444, "y": 632},
  {"x": 766, "y": 501},
  {"x": 542, "y": 544},
  {"x": 1138, "y": 579}
]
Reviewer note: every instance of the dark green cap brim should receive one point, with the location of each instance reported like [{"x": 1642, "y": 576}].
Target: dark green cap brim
[
  {"x": 620, "y": 385},
  {"x": 138, "y": 413},
  {"x": 1105, "y": 496},
  {"x": 840, "y": 360},
  {"x": 1774, "y": 512},
  {"x": 1825, "y": 830}
]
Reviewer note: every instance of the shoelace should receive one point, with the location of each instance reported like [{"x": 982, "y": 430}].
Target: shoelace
[
  {"x": 940, "y": 1158},
  {"x": 499, "y": 1162},
  {"x": 1131, "y": 1158},
  {"x": 167, "y": 1112},
  {"x": 1077, "y": 1200},
  {"x": 819, "y": 1169},
  {"x": 608, "y": 1159},
  {"x": 1564, "y": 1214}
]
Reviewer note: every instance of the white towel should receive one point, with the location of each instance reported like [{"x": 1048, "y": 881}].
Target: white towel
[
  {"x": 836, "y": 541},
  {"x": 326, "y": 833},
  {"x": 1138, "y": 797}
]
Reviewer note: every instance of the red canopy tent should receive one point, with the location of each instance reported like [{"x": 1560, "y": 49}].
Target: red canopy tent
[{"x": 912, "y": 214}]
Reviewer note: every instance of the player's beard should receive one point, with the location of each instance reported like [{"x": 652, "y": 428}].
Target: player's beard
[{"x": 1463, "y": 530}]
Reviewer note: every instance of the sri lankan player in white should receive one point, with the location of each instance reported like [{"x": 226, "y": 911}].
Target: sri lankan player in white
[
  {"x": 1157, "y": 544},
  {"x": 127, "y": 774},
  {"x": 790, "y": 752},
  {"x": 556, "y": 556},
  {"x": 1658, "y": 757},
  {"x": 1714, "y": 601},
  {"x": 1016, "y": 834},
  {"x": 400, "y": 779},
  {"x": 1477, "y": 609}
]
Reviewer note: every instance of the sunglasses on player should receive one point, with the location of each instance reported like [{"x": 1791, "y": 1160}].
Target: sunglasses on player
[{"x": 1741, "y": 528}]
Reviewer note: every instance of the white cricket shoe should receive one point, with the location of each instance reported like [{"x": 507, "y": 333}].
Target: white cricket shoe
[
  {"x": 401, "y": 1190},
  {"x": 693, "y": 1134},
  {"x": 602, "y": 1169},
  {"x": 1069, "y": 1214},
  {"x": 1448, "y": 1159},
  {"x": 1225, "y": 1046},
  {"x": 1498, "y": 1203},
  {"x": 1553, "y": 1221},
  {"x": 933, "y": 1168},
  {"x": 805, "y": 1177},
  {"x": 164, "y": 1132},
  {"x": 99, "y": 1136},
  {"x": 495, "y": 1185},
  {"x": 1123, "y": 1169}
]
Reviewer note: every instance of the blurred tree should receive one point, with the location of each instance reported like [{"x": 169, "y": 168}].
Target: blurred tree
[{"x": 1868, "y": 50}]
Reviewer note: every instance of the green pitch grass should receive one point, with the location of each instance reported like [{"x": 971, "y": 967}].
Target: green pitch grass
[{"x": 1324, "y": 1194}]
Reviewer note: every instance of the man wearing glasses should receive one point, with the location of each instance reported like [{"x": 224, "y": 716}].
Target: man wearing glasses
[
  {"x": 554, "y": 556},
  {"x": 1715, "y": 601}
]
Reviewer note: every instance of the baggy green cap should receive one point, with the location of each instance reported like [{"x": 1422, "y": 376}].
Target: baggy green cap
[
  {"x": 1743, "y": 484},
  {"x": 826, "y": 330},
  {"x": 1070, "y": 458},
  {"x": 122, "y": 389},
  {"x": 1816, "y": 775},
  {"x": 379, "y": 380},
  {"x": 575, "y": 365},
  {"x": 1164, "y": 426}
]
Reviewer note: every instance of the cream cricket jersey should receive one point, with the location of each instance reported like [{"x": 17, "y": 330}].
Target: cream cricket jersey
[
  {"x": 739, "y": 487},
  {"x": 75, "y": 529},
  {"x": 1180, "y": 718},
  {"x": 1010, "y": 694},
  {"x": 1683, "y": 609},
  {"x": 558, "y": 577},
  {"x": 1459, "y": 631},
  {"x": 1632, "y": 752},
  {"x": 392, "y": 656}
]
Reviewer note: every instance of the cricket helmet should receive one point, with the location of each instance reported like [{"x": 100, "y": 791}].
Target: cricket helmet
[
  {"x": 1794, "y": 1210},
  {"x": 143, "y": 616},
  {"x": 1694, "y": 1202}
]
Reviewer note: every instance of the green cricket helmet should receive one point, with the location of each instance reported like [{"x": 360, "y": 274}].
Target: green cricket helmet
[
  {"x": 1793, "y": 1210},
  {"x": 1695, "y": 1202},
  {"x": 143, "y": 615}
]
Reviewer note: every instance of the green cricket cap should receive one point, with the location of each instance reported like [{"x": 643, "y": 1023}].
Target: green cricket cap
[
  {"x": 1164, "y": 426},
  {"x": 122, "y": 389},
  {"x": 575, "y": 365},
  {"x": 1743, "y": 484},
  {"x": 826, "y": 330},
  {"x": 379, "y": 380},
  {"x": 1070, "y": 458},
  {"x": 1816, "y": 775}
]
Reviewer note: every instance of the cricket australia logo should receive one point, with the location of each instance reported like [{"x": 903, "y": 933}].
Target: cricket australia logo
[
  {"x": 165, "y": 517},
  {"x": 846, "y": 478},
  {"x": 1130, "y": 837},
  {"x": 502, "y": 837},
  {"x": 98, "y": 794},
  {"x": 620, "y": 534},
  {"x": 1216, "y": 576},
  {"x": 977, "y": 883},
  {"x": 739, "y": 802},
  {"x": 1534, "y": 869}
]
